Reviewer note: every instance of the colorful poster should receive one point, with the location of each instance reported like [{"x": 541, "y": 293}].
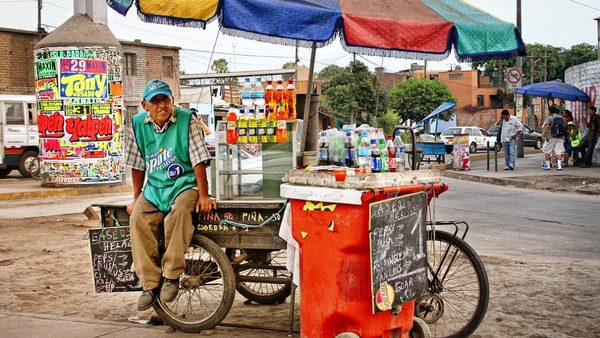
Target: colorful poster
[{"x": 79, "y": 101}]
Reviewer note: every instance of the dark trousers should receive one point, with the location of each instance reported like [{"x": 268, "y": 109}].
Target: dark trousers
[
  {"x": 587, "y": 149},
  {"x": 577, "y": 155}
]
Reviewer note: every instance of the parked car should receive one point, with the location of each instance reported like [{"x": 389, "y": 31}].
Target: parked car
[
  {"x": 531, "y": 138},
  {"x": 478, "y": 138}
]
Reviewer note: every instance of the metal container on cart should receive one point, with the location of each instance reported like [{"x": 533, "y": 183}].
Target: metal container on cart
[{"x": 332, "y": 229}]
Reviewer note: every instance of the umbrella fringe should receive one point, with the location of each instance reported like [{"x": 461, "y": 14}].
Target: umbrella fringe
[
  {"x": 395, "y": 53},
  {"x": 276, "y": 40},
  {"x": 172, "y": 21}
]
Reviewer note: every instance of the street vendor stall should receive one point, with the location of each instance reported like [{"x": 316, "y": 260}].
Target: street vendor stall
[{"x": 362, "y": 279}]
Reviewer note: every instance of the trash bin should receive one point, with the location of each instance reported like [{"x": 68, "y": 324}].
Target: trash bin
[{"x": 331, "y": 227}]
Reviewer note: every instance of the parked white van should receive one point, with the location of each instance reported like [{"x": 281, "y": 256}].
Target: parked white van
[{"x": 18, "y": 133}]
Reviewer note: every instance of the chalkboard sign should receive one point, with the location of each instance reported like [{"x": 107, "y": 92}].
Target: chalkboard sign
[
  {"x": 398, "y": 250},
  {"x": 111, "y": 260}
]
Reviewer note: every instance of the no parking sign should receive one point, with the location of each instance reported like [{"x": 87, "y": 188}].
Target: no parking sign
[{"x": 514, "y": 79}]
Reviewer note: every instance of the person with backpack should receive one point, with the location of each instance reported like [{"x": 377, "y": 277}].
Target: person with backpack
[
  {"x": 554, "y": 130},
  {"x": 574, "y": 136},
  {"x": 510, "y": 129}
]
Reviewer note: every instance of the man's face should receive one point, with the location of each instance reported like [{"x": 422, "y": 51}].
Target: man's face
[
  {"x": 505, "y": 117},
  {"x": 590, "y": 112},
  {"x": 160, "y": 108}
]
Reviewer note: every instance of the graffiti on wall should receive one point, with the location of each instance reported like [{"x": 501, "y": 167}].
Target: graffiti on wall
[{"x": 79, "y": 96}]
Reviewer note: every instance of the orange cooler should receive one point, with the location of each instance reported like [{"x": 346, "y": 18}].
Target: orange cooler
[{"x": 335, "y": 277}]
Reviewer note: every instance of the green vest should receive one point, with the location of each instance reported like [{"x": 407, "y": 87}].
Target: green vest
[
  {"x": 168, "y": 166},
  {"x": 577, "y": 140}
]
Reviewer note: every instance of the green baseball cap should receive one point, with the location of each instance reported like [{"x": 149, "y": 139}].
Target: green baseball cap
[{"x": 156, "y": 87}]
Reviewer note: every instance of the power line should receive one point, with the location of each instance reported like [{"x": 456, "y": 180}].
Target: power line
[{"x": 584, "y": 5}]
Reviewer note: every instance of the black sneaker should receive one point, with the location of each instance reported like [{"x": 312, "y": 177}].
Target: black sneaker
[
  {"x": 146, "y": 300},
  {"x": 169, "y": 290}
]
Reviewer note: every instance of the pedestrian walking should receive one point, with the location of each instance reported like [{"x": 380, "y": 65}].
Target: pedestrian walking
[
  {"x": 591, "y": 137},
  {"x": 511, "y": 129},
  {"x": 554, "y": 130}
]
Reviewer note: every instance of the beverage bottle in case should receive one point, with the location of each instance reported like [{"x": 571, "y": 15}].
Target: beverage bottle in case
[
  {"x": 350, "y": 151},
  {"x": 271, "y": 127},
  {"x": 324, "y": 158},
  {"x": 281, "y": 132},
  {"x": 247, "y": 93},
  {"x": 384, "y": 156},
  {"x": 261, "y": 129},
  {"x": 391, "y": 154},
  {"x": 364, "y": 152},
  {"x": 400, "y": 153},
  {"x": 242, "y": 127},
  {"x": 279, "y": 96},
  {"x": 375, "y": 156},
  {"x": 252, "y": 126},
  {"x": 232, "y": 133},
  {"x": 259, "y": 93},
  {"x": 270, "y": 96},
  {"x": 290, "y": 99}
]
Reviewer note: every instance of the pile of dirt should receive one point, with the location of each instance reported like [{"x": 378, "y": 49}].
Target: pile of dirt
[{"x": 568, "y": 183}]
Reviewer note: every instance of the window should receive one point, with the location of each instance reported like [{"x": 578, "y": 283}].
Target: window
[
  {"x": 480, "y": 100},
  {"x": 484, "y": 132},
  {"x": 475, "y": 132},
  {"x": 14, "y": 113},
  {"x": 167, "y": 66},
  {"x": 458, "y": 76},
  {"x": 130, "y": 112},
  {"x": 130, "y": 64},
  {"x": 469, "y": 131},
  {"x": 32, "y": 114},
  {"x": 451, "y": 131}
]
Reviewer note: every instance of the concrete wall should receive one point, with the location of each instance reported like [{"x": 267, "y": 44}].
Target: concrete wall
[{"x": 586, "y": 77}]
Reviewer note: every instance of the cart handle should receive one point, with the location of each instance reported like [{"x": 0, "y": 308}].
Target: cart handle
[{"x": 435, "y": 189}]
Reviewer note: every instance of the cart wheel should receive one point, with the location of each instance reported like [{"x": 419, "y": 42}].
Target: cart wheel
[
  {"x": 419, "y": 329},
  {"x": 262, "y": 263},
  {"x": 206, "y": 289}
]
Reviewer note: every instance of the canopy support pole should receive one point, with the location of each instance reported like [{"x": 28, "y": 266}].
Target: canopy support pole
[{"x": 306, "y": 116}]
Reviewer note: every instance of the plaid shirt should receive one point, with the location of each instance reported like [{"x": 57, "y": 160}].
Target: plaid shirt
[{"x": 198, "y": 151}]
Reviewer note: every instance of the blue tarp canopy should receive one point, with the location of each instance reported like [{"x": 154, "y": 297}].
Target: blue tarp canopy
[
  {"x": 554, "y": 90},
  {"x": 442, "y": 108}
]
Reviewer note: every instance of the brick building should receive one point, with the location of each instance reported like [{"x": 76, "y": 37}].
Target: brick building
[{"x": 141, "y": 63}]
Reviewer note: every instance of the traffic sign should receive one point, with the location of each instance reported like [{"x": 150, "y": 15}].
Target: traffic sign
[{"x": 514, "y": 79}]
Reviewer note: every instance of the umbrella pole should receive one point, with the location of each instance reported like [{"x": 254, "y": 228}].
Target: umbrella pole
[{"x": 306, "y": 116}]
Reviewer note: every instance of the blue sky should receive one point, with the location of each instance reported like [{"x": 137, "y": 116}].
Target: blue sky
[{"x": 556, "y": 22}]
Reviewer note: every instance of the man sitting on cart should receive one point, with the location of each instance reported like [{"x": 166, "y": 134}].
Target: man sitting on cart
[{"x": 167, "y": 149}]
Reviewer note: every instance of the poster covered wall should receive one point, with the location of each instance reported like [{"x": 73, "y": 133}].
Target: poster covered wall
[{"x": 79, "y": 98}]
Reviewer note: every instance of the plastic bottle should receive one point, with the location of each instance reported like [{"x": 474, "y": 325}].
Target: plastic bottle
[
  {"x": 281, "y": 132},
  {"x": 290, "y": 99},
  {"x": 252, "y": 125},
  {"x": 375, "y": 156},
  {"x": 364, "y": 152},
  {"x": 324, "y": 158},
  {"x": 400, "y": 152},
  {"x": 247, "y": 94},
  {"x": 271, "y": 127},
  {"x": 384, "y": 156},
  {"x": 279, "y": 96},
  {"x": 232, "y": 133},
  {"x": 350, "y": 151},
  {"x": 242, "y": 127},
  {"x": 391, "y": 154},
  {"x": 270, "y": 96},
  {"x": 261, "y": 130},
  {"x": 259, "y": 93}
]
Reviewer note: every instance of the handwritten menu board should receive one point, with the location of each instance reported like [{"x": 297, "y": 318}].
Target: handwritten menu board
[
  {"x": 111, "y": 260},
  {"x": 398, "y": 250}
]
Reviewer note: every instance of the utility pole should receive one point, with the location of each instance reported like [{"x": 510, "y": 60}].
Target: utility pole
[
  {"x": 545, "y": 65},
  {"x": 598, "y": 44},
  {"x": 39, "y": 16},
  {"x": 520, "y": 150}
]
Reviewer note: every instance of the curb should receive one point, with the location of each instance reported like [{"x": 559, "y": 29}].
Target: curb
[
  {"x": 65, "y": 192},
  {"x": 490, "y": 180}
]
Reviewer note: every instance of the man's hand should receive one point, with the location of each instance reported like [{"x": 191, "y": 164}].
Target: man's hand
[
  {"x": 204, "y": 204},
  {"x": 130, "y": 206}
]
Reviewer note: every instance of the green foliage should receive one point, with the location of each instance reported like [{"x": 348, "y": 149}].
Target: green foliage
[
  {"x": 288, "y": 65},
  {"x": 388, "y": 122},
  {"x": 221, "y": 66},
  {"x": 351, "y": 92},
  {"x": 415, "y": 98},
  {"x": 542, "y": 62}
]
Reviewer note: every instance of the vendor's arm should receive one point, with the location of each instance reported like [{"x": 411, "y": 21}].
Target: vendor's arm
[{"x": 200, "y": 158}]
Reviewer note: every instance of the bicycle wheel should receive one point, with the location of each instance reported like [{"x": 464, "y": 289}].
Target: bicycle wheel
[
  {"x": 458, "y": 291},
  {"x": 206, "y": 289},
  {"x": 265, "y": 264}
]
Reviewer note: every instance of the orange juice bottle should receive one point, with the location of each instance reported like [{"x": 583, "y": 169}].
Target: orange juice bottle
[
  {"x": 279, "y": 95},
  {"x": 290, "y": 99},
  {"x": 281, "y": 132},
  {"x": 232, "y": 134},
  {"x": 270, "y": 95}
]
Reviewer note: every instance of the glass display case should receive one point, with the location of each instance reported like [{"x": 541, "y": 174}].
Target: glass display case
[{"x": 253, "y": 171}]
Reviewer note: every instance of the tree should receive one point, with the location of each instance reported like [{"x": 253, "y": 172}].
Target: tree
[
  {"x": 221, "y": 66},
  {"x": 352, "y": 94},
  {"x": 415, "y": 98},
  {"x": 288, "y": 65},
  {"x": 388, "y": 122}
]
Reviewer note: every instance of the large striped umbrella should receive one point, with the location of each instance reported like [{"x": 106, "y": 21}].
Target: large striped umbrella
[{"x": 418, "y": 29}]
